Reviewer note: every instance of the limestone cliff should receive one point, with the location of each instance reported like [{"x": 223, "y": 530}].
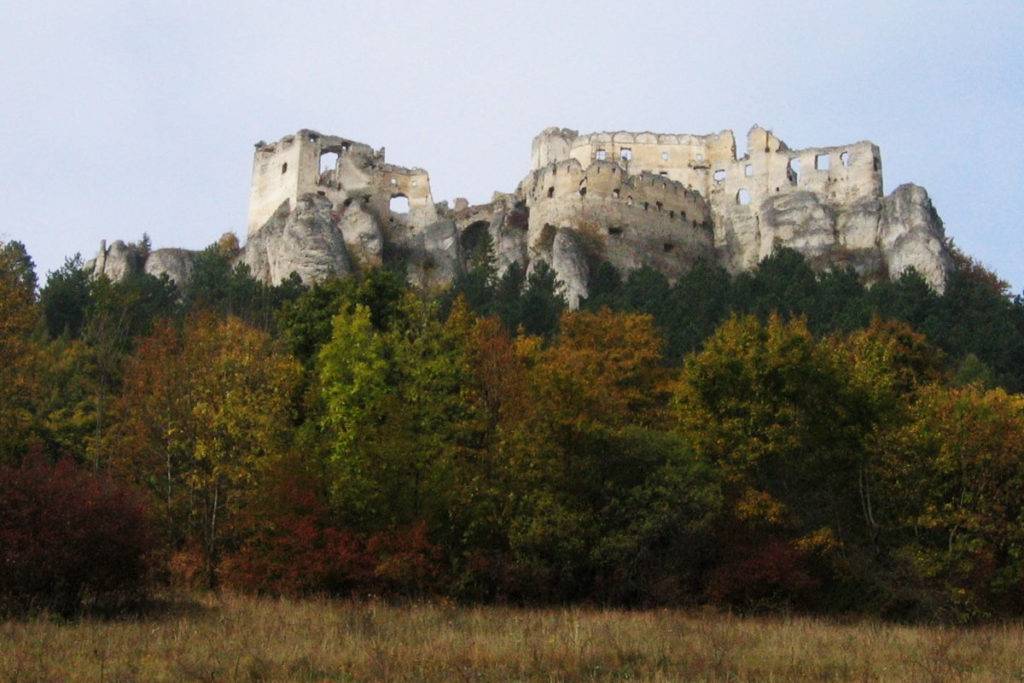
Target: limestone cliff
[{"x": 632, "y": 199}]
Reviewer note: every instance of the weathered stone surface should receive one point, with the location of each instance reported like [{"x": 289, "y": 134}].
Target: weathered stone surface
[
  {"x": 508, "y": 232},
  {"x": 797, "y": 220},
  {"x": 911, "y": 235},
  {"x": 117, "y": 261},
  {"x": 432, "y": 255},
  {"x": 176, "y": 264},
  {"x": 304, "y": 241},
  {"x": 362, "y": 236},
  {"x": 568, "y": 260}
]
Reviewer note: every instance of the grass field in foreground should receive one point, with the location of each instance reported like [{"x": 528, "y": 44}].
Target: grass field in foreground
[{"x": 228, "y": 637}]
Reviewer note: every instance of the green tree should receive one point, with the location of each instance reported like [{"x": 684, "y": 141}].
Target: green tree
[
  {"x": 66, "y": 298},
  {"x": 397, "y": 414},
  {"x": 542, "y": 302}
]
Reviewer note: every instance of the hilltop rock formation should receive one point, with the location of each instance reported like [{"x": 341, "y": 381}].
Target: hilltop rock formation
[{"x": 323, "y": 206}]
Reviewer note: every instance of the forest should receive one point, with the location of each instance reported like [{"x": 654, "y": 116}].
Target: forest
[{"x": 774, "y": 441}]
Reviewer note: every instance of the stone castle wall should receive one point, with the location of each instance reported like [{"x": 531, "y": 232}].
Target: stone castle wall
[{"x": 628, "y": 220}]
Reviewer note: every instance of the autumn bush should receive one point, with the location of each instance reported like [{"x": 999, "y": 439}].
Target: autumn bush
[
  {"x": 68, "y": 536},
  {"x": 294, "y": 547}
]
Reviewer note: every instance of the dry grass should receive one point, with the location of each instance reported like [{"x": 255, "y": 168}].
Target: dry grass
[{"x": 227, "y": 637}]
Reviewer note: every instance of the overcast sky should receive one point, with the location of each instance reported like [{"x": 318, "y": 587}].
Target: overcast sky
[{"x": 123, "y": 118}]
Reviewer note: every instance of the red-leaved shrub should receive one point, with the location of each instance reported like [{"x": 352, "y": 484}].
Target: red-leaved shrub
[
  {"x": 293, "y": 548},
  {"x": 67, "y": 534},
  {"x": 770, "y": 574}
]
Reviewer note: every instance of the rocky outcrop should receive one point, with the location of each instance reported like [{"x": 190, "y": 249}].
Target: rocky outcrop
[
  {"x": 911, "y": 235},
  {"x": 508, "y": 230},
  {"x": 569, "y": 262},
  {"x": 305, "y": 241},
  {"x": 431, "y": 254},
  {"x": 117, "y": 261},
  {"x": 878, "y": 238},
  {"x": 176, "y": 264},
  {"x": 799, "y": 221},
  {"x": 362, "y": 236}
]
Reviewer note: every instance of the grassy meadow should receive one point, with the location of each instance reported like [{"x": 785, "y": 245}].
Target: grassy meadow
[{"x": 228, "y": 638}]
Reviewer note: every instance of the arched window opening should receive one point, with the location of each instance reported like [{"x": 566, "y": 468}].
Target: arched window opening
[
  {"x": 845, "y": 159},
  {"x": 284, "y": 168},
  {"x": 743, "y": 197},
  {"x": 719, "y": 175},
  {"x": 551, "y": 192},
  {"x": 399, "y": 204}
]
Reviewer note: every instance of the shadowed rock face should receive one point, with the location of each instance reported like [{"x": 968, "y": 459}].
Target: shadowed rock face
[{"x": 632, "y": 199}]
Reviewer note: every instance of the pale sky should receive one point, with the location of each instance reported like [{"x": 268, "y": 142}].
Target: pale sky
[{"x": 119, "y": 118}]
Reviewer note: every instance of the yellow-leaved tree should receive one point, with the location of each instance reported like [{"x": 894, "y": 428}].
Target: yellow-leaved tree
[{"x": 203, "y": 412}]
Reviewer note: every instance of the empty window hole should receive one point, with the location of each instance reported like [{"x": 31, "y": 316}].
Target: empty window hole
[
  {"x": 399, "y": 204},
  {"x": 793, "y": 171},
  {"x": 328, "y": 161}
]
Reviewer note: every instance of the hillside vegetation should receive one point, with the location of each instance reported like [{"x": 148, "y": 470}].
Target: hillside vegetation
[{"x": 776, "y": 441}]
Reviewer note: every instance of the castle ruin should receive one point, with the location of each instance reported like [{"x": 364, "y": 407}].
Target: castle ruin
[{"x": 324, "y": 206}]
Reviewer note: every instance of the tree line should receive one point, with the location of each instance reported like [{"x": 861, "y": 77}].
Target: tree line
[{"x": 779, "y": 439}]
